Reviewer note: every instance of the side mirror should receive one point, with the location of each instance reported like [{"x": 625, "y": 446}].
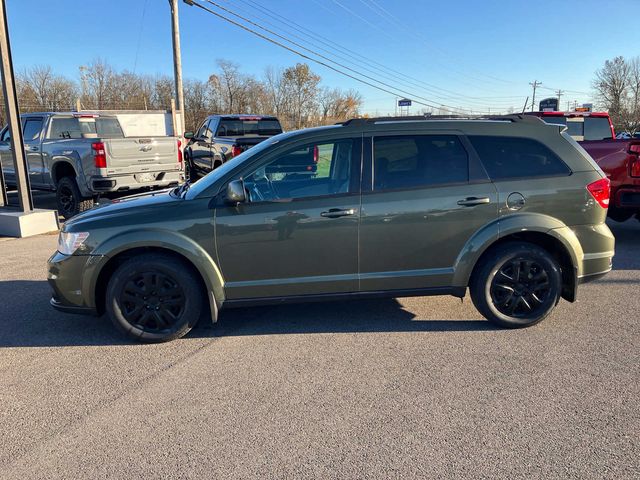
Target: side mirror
[
  {"x": 235, "y": 192},
  {"x": 188, "y": 135}
]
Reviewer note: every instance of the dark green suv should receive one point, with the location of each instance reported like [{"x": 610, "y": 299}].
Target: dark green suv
[{"x": 511, "y": 208}]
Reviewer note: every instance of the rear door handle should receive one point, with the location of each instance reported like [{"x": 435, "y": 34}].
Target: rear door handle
[
  {"x": 471, "y": 201},
  {"x": 32, "y": 148},
  {"x": 338, "y": 212}
]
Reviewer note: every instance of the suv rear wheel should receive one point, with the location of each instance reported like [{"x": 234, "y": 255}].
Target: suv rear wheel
[
  {"x": 69, "y": 199},
  {"x": 516, "y": 285},
  {"x": 154, "y": 298}
]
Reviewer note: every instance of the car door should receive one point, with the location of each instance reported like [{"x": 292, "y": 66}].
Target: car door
[
  {"x": 32, "y": 132},
  {"x": 424, "y": 196},
  {"x": 298, "y": 232},
  {"x": 201, "y": 149}
]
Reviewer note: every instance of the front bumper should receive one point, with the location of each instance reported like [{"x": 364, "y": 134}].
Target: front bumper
[{"x": 65, "y": 274}]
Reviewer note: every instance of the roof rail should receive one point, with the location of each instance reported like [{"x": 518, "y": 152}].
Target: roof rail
[{"x": 515, "y": 118}]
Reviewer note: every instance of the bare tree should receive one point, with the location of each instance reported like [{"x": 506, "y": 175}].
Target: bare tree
[
  {"x": 301, "y": 85},
  {"x": 611, "y": 84}
]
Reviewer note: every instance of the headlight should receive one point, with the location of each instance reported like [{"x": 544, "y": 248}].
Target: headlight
[{"x": 69, "y": 242}]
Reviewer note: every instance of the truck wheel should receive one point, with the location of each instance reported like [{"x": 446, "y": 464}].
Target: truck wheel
[
  {"x": 154, "y": 298},
  {"x": 516, "y": 285},
  {"x": 70, "y": 201}
]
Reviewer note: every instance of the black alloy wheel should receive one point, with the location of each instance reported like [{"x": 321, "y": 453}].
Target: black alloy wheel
[
  {"x": 520, "y": 288},
  {"x": 516, "y": 284},
  {"x": 154, "y": 297},
  {"x": 152, "y": 301}
]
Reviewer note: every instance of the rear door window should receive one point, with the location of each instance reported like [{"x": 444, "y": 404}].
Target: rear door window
[
  {"x": 513, "y": 157},
  {"x": 414, "y": 161}
]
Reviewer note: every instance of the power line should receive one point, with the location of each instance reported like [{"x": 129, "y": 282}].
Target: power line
[
  {"x": 396, "y": 92},
  {"x": 365, "y": 62},
  {"x": 387, "y": 15}
]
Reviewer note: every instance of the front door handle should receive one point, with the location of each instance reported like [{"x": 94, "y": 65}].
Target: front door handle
[
  {"x": 338, "y": 212},
  {"x": 32, "y": 148},
  {"x": 471, "y": 201}
]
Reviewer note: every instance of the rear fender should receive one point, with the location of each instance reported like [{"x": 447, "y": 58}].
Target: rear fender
[{"x": 510, "y": 225}]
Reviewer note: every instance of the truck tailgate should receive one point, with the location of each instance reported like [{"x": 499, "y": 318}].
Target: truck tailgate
[{"x": 133, "y": 154}]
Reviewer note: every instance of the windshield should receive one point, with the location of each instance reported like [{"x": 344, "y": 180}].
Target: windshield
[
  {"x": 205, "y": 182},
  {"x": 232, "y": 127}
]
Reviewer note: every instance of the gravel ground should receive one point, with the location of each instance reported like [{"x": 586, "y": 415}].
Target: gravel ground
[{"x": 419, "y": 387}]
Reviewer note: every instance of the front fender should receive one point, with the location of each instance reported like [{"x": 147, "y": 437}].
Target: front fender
[
  {"x": 158, "y": 238},
  {"x": 509, "y": 225}
]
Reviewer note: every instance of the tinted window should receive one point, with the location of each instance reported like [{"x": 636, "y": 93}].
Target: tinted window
[
  {"x": 597, "y": 128},
  {"x": 509, "y": 157},
  {"x": 65, "y": 128},
  {"x": 203, "y": 131},
  {"x": 73, "y": 127},
  {"x": 232, "y": 127},
  {"x": 309, "y": 171},
  {"x": 32, "y": 128},
  {"x": 6, "y": 136},
  {"x": 414, "y": 161},
  {"x": 108, "y": 127}
]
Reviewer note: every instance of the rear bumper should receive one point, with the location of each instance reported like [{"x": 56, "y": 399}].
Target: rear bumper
[
  {"x": 130, "y": 182},
  {"x": 627, "y": 198},
  {"x": 598, "y": 247}
]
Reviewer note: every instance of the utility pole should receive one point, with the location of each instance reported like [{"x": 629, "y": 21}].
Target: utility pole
[
  {"x": 535, "y": 85},
  {"x": 13, "y": 116},
  {"x": 177, "y": 64},
  {"x": 559, "y": 93}
]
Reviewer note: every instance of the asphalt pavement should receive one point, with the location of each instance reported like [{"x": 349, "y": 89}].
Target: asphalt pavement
[{"x": 418, "y": 387}]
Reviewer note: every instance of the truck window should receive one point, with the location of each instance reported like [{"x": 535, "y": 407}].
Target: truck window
[
  {"x": 6, "y": 136},
  {"x": 237, "y": 127},
  {"x": 65, "y": 128},
  {"x": 597, "y": 128},
  {"x": 32, "y": 129},
  {"x": 108, "y": 128}
]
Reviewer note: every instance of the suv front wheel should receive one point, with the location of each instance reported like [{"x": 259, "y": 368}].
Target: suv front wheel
[
  {"x": 516, "y": 285},
  {"x": 154, "y": 298}
]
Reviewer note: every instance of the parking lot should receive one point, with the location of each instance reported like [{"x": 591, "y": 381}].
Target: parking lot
[{"x": 385, "y": 388}]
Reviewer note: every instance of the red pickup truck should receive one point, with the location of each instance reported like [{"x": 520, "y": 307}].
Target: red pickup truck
[{"x": 618, "y": 158}]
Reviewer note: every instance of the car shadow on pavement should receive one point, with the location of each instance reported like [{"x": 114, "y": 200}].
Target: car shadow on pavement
[
  {"x": 27, "y": 320},
  {"x": 627, "y": 235}
]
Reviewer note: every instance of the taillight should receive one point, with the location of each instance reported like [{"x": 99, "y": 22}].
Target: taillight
[
  {"x": 600, "y": 190},
  {"x": 235, "y": 151},
  {"x": 99, "y": 157},
  {"x": 316, "y": 154},
  {"x": 634, "y": 168},
  {"x": 179, "y": 152}
]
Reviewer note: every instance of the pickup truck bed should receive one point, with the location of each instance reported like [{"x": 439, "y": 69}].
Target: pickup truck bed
[{"x": 82, "y": 156}]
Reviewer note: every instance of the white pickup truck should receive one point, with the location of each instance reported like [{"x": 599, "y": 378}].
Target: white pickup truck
[{"x": 82, "y": 156}]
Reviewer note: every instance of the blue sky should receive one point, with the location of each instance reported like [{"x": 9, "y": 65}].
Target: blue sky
[{"x": 464, "y": 53}]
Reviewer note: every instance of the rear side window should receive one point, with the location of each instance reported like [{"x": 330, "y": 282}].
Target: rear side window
[
  {"x": 512, "y": 157},
  {"x": 418, "y": 160}
]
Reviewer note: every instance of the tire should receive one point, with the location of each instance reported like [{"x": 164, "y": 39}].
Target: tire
[
  {"x": 69, "y": 199},
  {"x": 516, "y": 285},
  {"x": 154, "y": 298}
]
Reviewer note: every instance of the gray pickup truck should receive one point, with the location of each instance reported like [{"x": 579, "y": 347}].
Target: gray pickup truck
[{"x": 82, "y": 156}]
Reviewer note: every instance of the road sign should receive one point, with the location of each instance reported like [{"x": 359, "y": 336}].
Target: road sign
[
  {"x": 549, "y": 105},
  {"x": 405, "y": 102}
]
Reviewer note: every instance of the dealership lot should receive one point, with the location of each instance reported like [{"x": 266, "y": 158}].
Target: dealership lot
[{"x": 380, "y": 388}]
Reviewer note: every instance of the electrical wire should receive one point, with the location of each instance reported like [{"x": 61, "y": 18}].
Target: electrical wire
[{"x": 396, "y": 92}]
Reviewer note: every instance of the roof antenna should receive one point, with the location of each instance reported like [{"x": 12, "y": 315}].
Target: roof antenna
[{"x": 525, "y": 105}]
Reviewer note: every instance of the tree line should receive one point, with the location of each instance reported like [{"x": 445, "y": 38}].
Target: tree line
[
  {"x": 617, "y": 87},
  {"x": 294, "y": 94}
]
